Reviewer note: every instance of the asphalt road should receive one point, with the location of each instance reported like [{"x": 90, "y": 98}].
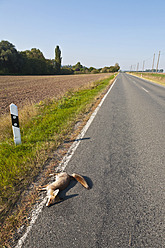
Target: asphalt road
[{"x": 122, "y": 157}]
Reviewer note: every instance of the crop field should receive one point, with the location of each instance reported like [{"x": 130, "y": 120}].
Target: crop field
[{"x": 22, "y": 90}]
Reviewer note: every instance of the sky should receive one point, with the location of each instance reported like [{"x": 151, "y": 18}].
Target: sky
[{"x": 95, "y": 33}]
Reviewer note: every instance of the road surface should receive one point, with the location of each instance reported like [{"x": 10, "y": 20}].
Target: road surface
[{"x": 122, "y": 158}]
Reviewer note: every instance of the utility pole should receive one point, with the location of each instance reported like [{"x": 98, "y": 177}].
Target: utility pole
[
  {"x": 137, "y": 67},
  {"x": 131, "y": 68},
  {"x": 153, "y": 62},
  {"x": 158, "y": 62},
  {"x": 143, "y": 64}
]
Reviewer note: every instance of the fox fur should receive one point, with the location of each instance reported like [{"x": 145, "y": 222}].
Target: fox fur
[{"x": 62, "y": 181}]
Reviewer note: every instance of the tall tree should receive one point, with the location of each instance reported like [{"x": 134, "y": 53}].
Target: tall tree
[
  {"x": 10, "y": 60},
  {"x": 117, "y": 67},
  {"x": 58, "y": 59},
  {"x": 35, "y": 54},
  {"x": 34, "y": 62}
]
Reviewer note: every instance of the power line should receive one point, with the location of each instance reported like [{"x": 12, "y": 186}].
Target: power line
[{"x": 135, "y": 67}]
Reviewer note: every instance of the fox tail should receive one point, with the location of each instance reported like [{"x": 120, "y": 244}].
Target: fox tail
[{"x": 81, "y": 180}]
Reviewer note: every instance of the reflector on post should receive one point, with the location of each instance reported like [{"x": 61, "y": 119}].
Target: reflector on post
[{"x": 15, "y": 123}]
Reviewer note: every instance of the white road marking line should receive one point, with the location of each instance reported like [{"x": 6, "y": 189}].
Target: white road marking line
[
  {"x": 141, "y": 87},
  {"x": 144, "y": 89},
  {"x": 61, "y": 167},
  {"x": 35, "y": 214}
]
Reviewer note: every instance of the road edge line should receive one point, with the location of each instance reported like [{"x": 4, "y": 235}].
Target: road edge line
[{"x": 62, "y": 166}]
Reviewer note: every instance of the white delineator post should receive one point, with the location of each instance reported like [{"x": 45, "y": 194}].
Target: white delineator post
[{"x": 15, "y": 123}]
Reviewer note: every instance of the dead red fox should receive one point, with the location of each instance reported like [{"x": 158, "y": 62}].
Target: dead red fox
[{"x": 61, "y": 182}]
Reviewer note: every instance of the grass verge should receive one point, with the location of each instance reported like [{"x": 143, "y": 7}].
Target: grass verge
[
  {"x": 43, "y": 128},
  {"x": 153, "y": 77}
]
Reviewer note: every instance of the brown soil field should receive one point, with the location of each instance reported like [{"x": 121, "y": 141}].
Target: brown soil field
[{"x": 22, "y": 90}]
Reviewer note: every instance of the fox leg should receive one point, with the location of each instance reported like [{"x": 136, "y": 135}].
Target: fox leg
[{"x": 42, "y": 188}]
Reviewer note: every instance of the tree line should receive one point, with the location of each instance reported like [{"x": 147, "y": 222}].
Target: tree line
[{"x": 33, "y": 62}]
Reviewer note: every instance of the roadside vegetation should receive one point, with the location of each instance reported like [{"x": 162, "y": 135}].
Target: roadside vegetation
[
  {"x": 154, "y": 77},
  {"x": 33, "y": 62},
  {"x": 44, "y": 127}
]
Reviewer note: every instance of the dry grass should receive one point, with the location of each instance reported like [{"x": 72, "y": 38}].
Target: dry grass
[
  {"x": 153, "y": 77},
  {"x": 26, "y": 113}
]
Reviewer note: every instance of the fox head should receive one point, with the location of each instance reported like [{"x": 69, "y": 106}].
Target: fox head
[{"x": 52, "y": 198}]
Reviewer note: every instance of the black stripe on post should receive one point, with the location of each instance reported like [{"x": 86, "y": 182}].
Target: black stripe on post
[{"x": 14, "y": 119}]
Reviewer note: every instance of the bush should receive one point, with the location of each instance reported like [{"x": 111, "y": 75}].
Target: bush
[{"x": 66, "y": 71}]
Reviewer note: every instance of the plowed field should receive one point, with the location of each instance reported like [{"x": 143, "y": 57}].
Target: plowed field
[{"x": 21, "y": 90}]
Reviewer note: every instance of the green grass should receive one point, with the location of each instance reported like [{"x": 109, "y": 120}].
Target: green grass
[
  {"x": 153, "y": 77},
  {"x": 156, "y": 75},
  {"x": 43, "y": 128}
]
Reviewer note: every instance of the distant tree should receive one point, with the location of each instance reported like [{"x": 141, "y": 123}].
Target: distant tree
[
  {"x": 36, "y": 64},
  {"x": 87, "y": 70},
  {"x": 111, "y": 69},
  {"x": 58, "y": 59},
  {"x": 66, "y": 71},
  {"x": 84, "y": 70},
  {"x": 35, "y": 54},
  {"x": 67, "y": 66},
  {"x": 91, "y": 68},
  {"x": 94, "y": 71},
  {"x": 77, "y": 67},
  {"x": 10, "y": 59},
  {"x": 117, "y": 67},
  {"x": 29, "y": 62},
  {"x": 114, "y": 68},
  {"x": 50, "y": 66},
  {"x": 105, "y": 69}
]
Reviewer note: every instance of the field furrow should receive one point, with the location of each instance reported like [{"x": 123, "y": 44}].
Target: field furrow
[{"x": 22, "y": 90}]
